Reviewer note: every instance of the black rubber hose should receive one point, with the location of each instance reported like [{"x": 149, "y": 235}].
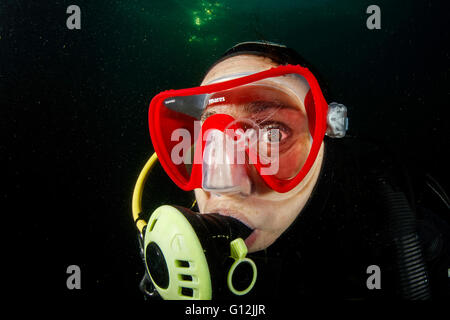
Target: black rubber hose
[
  {"x": 146, "y": 286},
  {"x": 413, "y": 276}
]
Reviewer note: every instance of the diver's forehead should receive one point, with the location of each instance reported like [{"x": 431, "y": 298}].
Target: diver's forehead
[{"x": 239, "y": 64}]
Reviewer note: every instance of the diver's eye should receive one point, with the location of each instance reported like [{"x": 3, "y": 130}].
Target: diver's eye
[
  {"x": 271, "y": 136},
  {"x": 274, "y": 133}
]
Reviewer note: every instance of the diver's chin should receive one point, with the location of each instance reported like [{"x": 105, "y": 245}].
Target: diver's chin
[{"x": 250, "y": 240}]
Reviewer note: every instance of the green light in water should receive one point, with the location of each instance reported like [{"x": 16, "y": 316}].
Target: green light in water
[
  {"x": 206, "y": 13},
  {"x": 195, "y": 39}
]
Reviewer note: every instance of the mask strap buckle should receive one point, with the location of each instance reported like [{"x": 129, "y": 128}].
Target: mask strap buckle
[{"x": 337, "y": 120}]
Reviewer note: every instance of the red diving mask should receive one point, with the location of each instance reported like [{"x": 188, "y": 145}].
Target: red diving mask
[{"x": 220, "y": 135}]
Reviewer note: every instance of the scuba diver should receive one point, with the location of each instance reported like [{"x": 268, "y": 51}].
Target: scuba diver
[{"x": 288, "y": 205}]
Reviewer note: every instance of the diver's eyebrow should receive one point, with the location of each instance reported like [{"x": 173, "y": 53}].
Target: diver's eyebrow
[
  {"x": 263, "y": 105},
  {"x": 206, "y": 114},
  {"x": 253, "y": 107}
]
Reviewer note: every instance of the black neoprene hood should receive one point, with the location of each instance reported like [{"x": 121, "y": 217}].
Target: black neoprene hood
[{"x": 278, "y": 53}]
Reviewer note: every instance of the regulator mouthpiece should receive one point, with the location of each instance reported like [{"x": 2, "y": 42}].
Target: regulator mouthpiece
[{"x": 191, "y": 256}]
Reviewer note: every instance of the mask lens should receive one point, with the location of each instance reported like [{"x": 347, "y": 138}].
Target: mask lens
[{"x": 177, "y": 132}]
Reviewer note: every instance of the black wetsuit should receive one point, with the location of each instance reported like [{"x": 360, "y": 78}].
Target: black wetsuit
[{"x": 344, "y": 229}]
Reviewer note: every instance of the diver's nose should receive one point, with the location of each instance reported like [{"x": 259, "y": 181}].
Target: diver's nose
[{"x": 224, "y": 169}]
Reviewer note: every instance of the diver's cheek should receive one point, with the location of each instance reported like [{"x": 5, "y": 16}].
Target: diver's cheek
[
  {"x": 291, "y": 162},
  {"x": 201, "y": 198},
  {"x": 259, "y": 187},
  {"x": 260, "y": 240}
]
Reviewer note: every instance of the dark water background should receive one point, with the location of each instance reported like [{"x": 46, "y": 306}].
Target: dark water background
[{"x": 74, "y": 110}]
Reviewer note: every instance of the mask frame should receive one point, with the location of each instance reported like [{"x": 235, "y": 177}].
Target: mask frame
[{"x": 315, "y": 104}]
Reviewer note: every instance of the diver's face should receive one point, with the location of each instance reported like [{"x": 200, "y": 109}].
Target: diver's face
[{"x": 267, "y": 212}]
